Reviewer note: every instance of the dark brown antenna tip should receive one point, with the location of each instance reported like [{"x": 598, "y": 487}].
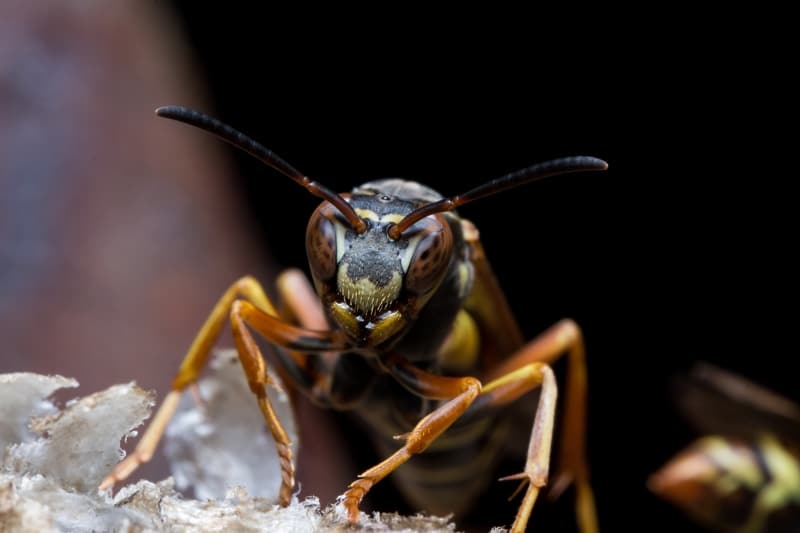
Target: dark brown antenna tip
[
  {"x": 536, "y": 172},
  {"x": 266, "y": 156}
]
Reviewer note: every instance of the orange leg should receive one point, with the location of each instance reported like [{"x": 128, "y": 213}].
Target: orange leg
[
  {"x": 302, "y": 301},
  {"x": 300, "y": 304},
  {"x": 463, "y": 392},
  {"x": 562, "y": 338},
  {"x": 261, "y": 315},
  {"x": 508, "y": 388}
]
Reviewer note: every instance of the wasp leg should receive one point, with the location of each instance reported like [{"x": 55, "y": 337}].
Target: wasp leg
[
  {"x": 302, "y": 301},
  {"x": 562, "y": 338},
  {"x": 190, "y": 369},
  {"x": 301, "y": 305},
  {"x": 461, "y": 392},
  {"x": 261, "y": 315},
  {"x": 508, "y": 388}
]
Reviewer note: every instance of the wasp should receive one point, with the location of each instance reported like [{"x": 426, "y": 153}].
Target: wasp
[
  {"x": 743, "y": 475},
  {"x": 406, "y": 327}
]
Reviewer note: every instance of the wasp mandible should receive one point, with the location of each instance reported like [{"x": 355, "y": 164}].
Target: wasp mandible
[{"x": 406, "y": 326}]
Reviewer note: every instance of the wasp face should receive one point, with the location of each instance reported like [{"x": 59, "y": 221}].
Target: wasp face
[{"x": 372, "y": 285}]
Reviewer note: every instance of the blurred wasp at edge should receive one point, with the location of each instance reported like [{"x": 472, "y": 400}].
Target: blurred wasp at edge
[{"x": 743, "y": 475}]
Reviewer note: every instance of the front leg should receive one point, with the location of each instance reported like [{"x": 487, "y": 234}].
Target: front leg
[
  {"x": 257, "y": 311},
  {"x": 462, "y": 392}
]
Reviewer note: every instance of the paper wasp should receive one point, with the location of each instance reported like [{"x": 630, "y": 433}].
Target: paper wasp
[
  {"x": 743, "y": 475},
  {"x": 408, "y": 329}
]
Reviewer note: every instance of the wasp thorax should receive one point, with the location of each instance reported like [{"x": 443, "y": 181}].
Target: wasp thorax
[{"x": 370, "y": 277}]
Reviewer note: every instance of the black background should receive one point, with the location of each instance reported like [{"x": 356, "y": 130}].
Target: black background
[{"x": 679, "y": 252}]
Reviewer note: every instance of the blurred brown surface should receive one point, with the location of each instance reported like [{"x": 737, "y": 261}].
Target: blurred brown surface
[{"x": 118, "y": 230}]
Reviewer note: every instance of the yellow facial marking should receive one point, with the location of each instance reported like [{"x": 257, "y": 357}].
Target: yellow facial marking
[
  {"x": 408, "y": 252},
  {"x": 394, "y": 218},
  {"x": 368, "y": 213},
  {"x": 340, "y": 240},
  {"x": 364, "y": 295}
]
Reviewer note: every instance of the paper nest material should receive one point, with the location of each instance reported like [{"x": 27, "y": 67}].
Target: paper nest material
[{"x": 53, "y": 459}]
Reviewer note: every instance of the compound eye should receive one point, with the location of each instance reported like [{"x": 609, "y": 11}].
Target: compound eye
[
  {"x": 430, "y": 260},
  {"x": 321, "y": 243}
]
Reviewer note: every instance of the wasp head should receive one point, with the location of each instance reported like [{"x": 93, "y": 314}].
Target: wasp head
[{"x": 372, "y": 284}]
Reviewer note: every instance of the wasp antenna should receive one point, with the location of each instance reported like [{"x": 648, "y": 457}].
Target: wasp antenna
[
  {"x": 263, "y": 154},
  {"x": 536, "y": 172}
]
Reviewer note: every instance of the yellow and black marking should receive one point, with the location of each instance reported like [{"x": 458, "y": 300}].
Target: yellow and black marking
[{"x": 735, "y": 485}]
